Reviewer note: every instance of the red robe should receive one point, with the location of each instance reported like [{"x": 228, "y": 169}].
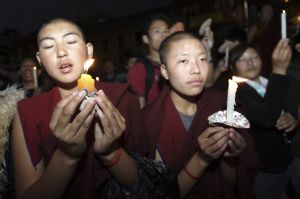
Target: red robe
[
  {"x": 35, "y": 115},
  {"x": 166, "y": 132}
]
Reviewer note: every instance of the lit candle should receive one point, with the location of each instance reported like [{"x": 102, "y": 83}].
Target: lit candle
[
  {"x": 226, "y": 57},
  {"x": 283, "y": 24},
  {"x": 97, "y": 79},
  {"x": 35, "y": 79},
  {"x": 86, "y": 82},
  {"x": 232, "y": 87}
]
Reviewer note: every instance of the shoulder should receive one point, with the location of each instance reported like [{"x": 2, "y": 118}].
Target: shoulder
[{"x": 37, "y": 104}]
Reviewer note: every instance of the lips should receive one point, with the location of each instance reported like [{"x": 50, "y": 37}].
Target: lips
[
  {"x": 196, "y": 82},
  {"x": 66, "y": 68}
]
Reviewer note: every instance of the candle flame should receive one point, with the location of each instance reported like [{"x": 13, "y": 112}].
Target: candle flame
[
  {"x": 239, "y": 79},
  {"x": 87, "y": 64},
  {"x": 283, "y": 11}
]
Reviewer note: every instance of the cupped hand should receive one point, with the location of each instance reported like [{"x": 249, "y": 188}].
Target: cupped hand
[
  {"x": 71, "y": 132},
  {"x": 212, "y": 143},
  {"x": 110, "y": 127},
  {"x": 236, "y": 144}
]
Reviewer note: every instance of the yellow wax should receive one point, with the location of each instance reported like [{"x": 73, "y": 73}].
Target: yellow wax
[{"x": 86, "y": 82}]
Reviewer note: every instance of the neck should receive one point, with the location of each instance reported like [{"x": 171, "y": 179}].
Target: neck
[
  {"x": 28, "y": 85},
  {"x": 67, "y": 89},
  {"x": 184, "y": 105},
  {"x": 154, "y": 55}
]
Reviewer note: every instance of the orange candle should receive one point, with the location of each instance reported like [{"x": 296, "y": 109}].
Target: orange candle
[{"x": 86, "y": 81}]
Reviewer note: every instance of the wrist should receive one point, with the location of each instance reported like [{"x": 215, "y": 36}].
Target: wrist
[
  {"x": 110, "y": 159},
  {"x": 279, "y": 71}
]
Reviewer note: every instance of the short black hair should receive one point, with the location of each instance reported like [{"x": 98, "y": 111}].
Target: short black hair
[
  {"x": 155, "y": 17},
  {"x": 62, "y": 20},
  {"x": 165, "y": 45}
]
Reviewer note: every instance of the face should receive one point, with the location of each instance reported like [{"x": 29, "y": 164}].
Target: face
[
  {"x": 249, "y": 65},
  {"x": 63, "y": 51},
  {"x": 186, "y": 67},
  {"x": 158, "y": 31},
  {"x": 179, "y": 26},
  {"x": 26, "y": 70}
]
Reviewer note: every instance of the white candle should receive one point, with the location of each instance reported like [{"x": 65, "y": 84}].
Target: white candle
[
  {"x": 226, "y": 57},
  {"x": 283, "y": 24},
  {"x": 232, "y": 87},
  {"x": 35, "y": 79}
]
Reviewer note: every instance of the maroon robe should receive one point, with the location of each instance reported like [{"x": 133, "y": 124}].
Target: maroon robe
[
  {"x": 35, "y": 115},
  {"x": 176, "y": 146}
]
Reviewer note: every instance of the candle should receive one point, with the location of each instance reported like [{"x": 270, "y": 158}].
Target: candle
[
  {"x": 97, "y": 79},
  {"x": 226, "y": 57},
  {"x": 232, "y": 87},
  {"x": 283, "y": 24},
  {"x": 86, "y": 82},
  {"x": 35, "y": 79}
]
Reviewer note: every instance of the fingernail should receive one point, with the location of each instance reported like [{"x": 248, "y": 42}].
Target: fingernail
[
  {"x": 81, "y": 93},
  {"x": 75, "y": 93}
]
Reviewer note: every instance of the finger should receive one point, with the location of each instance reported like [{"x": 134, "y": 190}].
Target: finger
[
  {"x": 58, "y": 110},
  {"x": 69, "y": 110},
  {"x": 81, "y": 133},
  {"x": 114, "y": 110},
  {"x": 275, "y": 53},
  {"x": 210, "y": 131},
  {"x": 113, "y": 117},
  {"x": 98, "y": 132},
  {"x": 80, "y": 119},
  {"x": 291, "y": 128},
  {"x": 219, "y": 152},
  {"x": 216, "y": 146}
]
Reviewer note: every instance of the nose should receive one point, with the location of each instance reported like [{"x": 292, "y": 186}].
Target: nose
[
  {"x": 249, "y": 62},
  {"x": 194, "y": 67},
  {"x": 61, "y": 51}
]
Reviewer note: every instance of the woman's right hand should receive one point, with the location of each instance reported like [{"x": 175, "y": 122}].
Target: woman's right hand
[
  {"x": 71, "y": 132},
  {"x": 281, "y": 57},
  {"x": 212, "y": 143}
]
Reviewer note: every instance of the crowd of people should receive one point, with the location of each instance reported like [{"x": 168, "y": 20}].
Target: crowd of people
[{"x": 144, "y": 131}]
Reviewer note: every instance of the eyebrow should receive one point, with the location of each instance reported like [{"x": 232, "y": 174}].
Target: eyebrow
[{"x": 65, "y": 35}]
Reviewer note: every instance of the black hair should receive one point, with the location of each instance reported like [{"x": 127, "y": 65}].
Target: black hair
[
  {"x": 62, "y": 20},
  {"x": 177, "y": 18},
  {"x": 238, "y": 51},
  {"x": 147, "y": 23},
  {"x": 165, "y": 45}
]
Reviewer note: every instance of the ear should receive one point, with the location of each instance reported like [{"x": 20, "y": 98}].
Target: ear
[
  {"x": 164, "y": 71},
  {"x": 90, "y": 50},
  {"x": 145, "y": 39}
]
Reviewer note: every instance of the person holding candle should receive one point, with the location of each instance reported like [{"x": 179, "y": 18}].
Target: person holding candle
[
  {"x": 269, "y": 119},
  {"x": 29, "y": 72},
  {"x": 61, "y": 152},
  {"x": 207, "y": 158}
]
